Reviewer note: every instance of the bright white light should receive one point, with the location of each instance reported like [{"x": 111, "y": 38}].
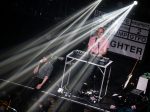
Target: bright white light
[{"x": 135, "y": 2}]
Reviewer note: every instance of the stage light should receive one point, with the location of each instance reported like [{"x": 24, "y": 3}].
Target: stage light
[{"x": 135, "y": 2}]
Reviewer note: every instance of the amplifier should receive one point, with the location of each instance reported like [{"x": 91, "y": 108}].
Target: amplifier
[
  {"x": 143, "y": 83},
  {"x": 137, "y": 92}
]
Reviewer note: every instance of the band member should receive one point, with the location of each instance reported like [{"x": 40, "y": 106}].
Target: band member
[
  {"x": 42, "y": 72},
  {"x": 97, "y": 48},
  {"x": 98, "y": 44},
  {"x": 41, "y": 75}
]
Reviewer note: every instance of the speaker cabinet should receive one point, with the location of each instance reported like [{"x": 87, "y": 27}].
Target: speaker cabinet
[{"x": 143, "y": 82}]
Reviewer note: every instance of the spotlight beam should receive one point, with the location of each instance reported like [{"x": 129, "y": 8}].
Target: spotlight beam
[
  {"x": 14, "y": 58},
  {"x": 36, "y": 42},
  {"x": 48, "y": 45},
  {"x": 15, "y": 77},
  {"x": 86, "y": 26},
  {"x": 81, "y": 24},
  {"x": 59, "y": 26}
]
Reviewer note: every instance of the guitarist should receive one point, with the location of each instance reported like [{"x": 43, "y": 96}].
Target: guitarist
[{"x": 42, "y": 72}]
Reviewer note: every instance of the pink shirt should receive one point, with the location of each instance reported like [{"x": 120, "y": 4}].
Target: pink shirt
[{"x": 100, "y": 48}]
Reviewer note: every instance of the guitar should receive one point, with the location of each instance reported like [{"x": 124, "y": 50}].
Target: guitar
[
  {"x": 127, "y": 81},
  {"x": 52, "y": 58},
  {"x": 56, "y": 57},
  {"x": 130, "y": 75}
]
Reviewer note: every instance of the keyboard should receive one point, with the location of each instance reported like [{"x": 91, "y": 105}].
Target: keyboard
[{"x": 78, "y": 54}]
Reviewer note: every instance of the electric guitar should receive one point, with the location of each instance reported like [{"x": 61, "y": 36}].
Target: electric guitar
[
  {"x": 130, "y": 75},
  {"x": 54, "y": 58}
]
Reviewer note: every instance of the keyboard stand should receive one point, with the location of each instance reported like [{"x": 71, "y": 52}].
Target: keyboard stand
[{"x": 105, "y": 70}]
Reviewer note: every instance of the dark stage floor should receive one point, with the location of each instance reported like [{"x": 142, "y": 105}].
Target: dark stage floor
[{"x": 79, "y": 101}]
